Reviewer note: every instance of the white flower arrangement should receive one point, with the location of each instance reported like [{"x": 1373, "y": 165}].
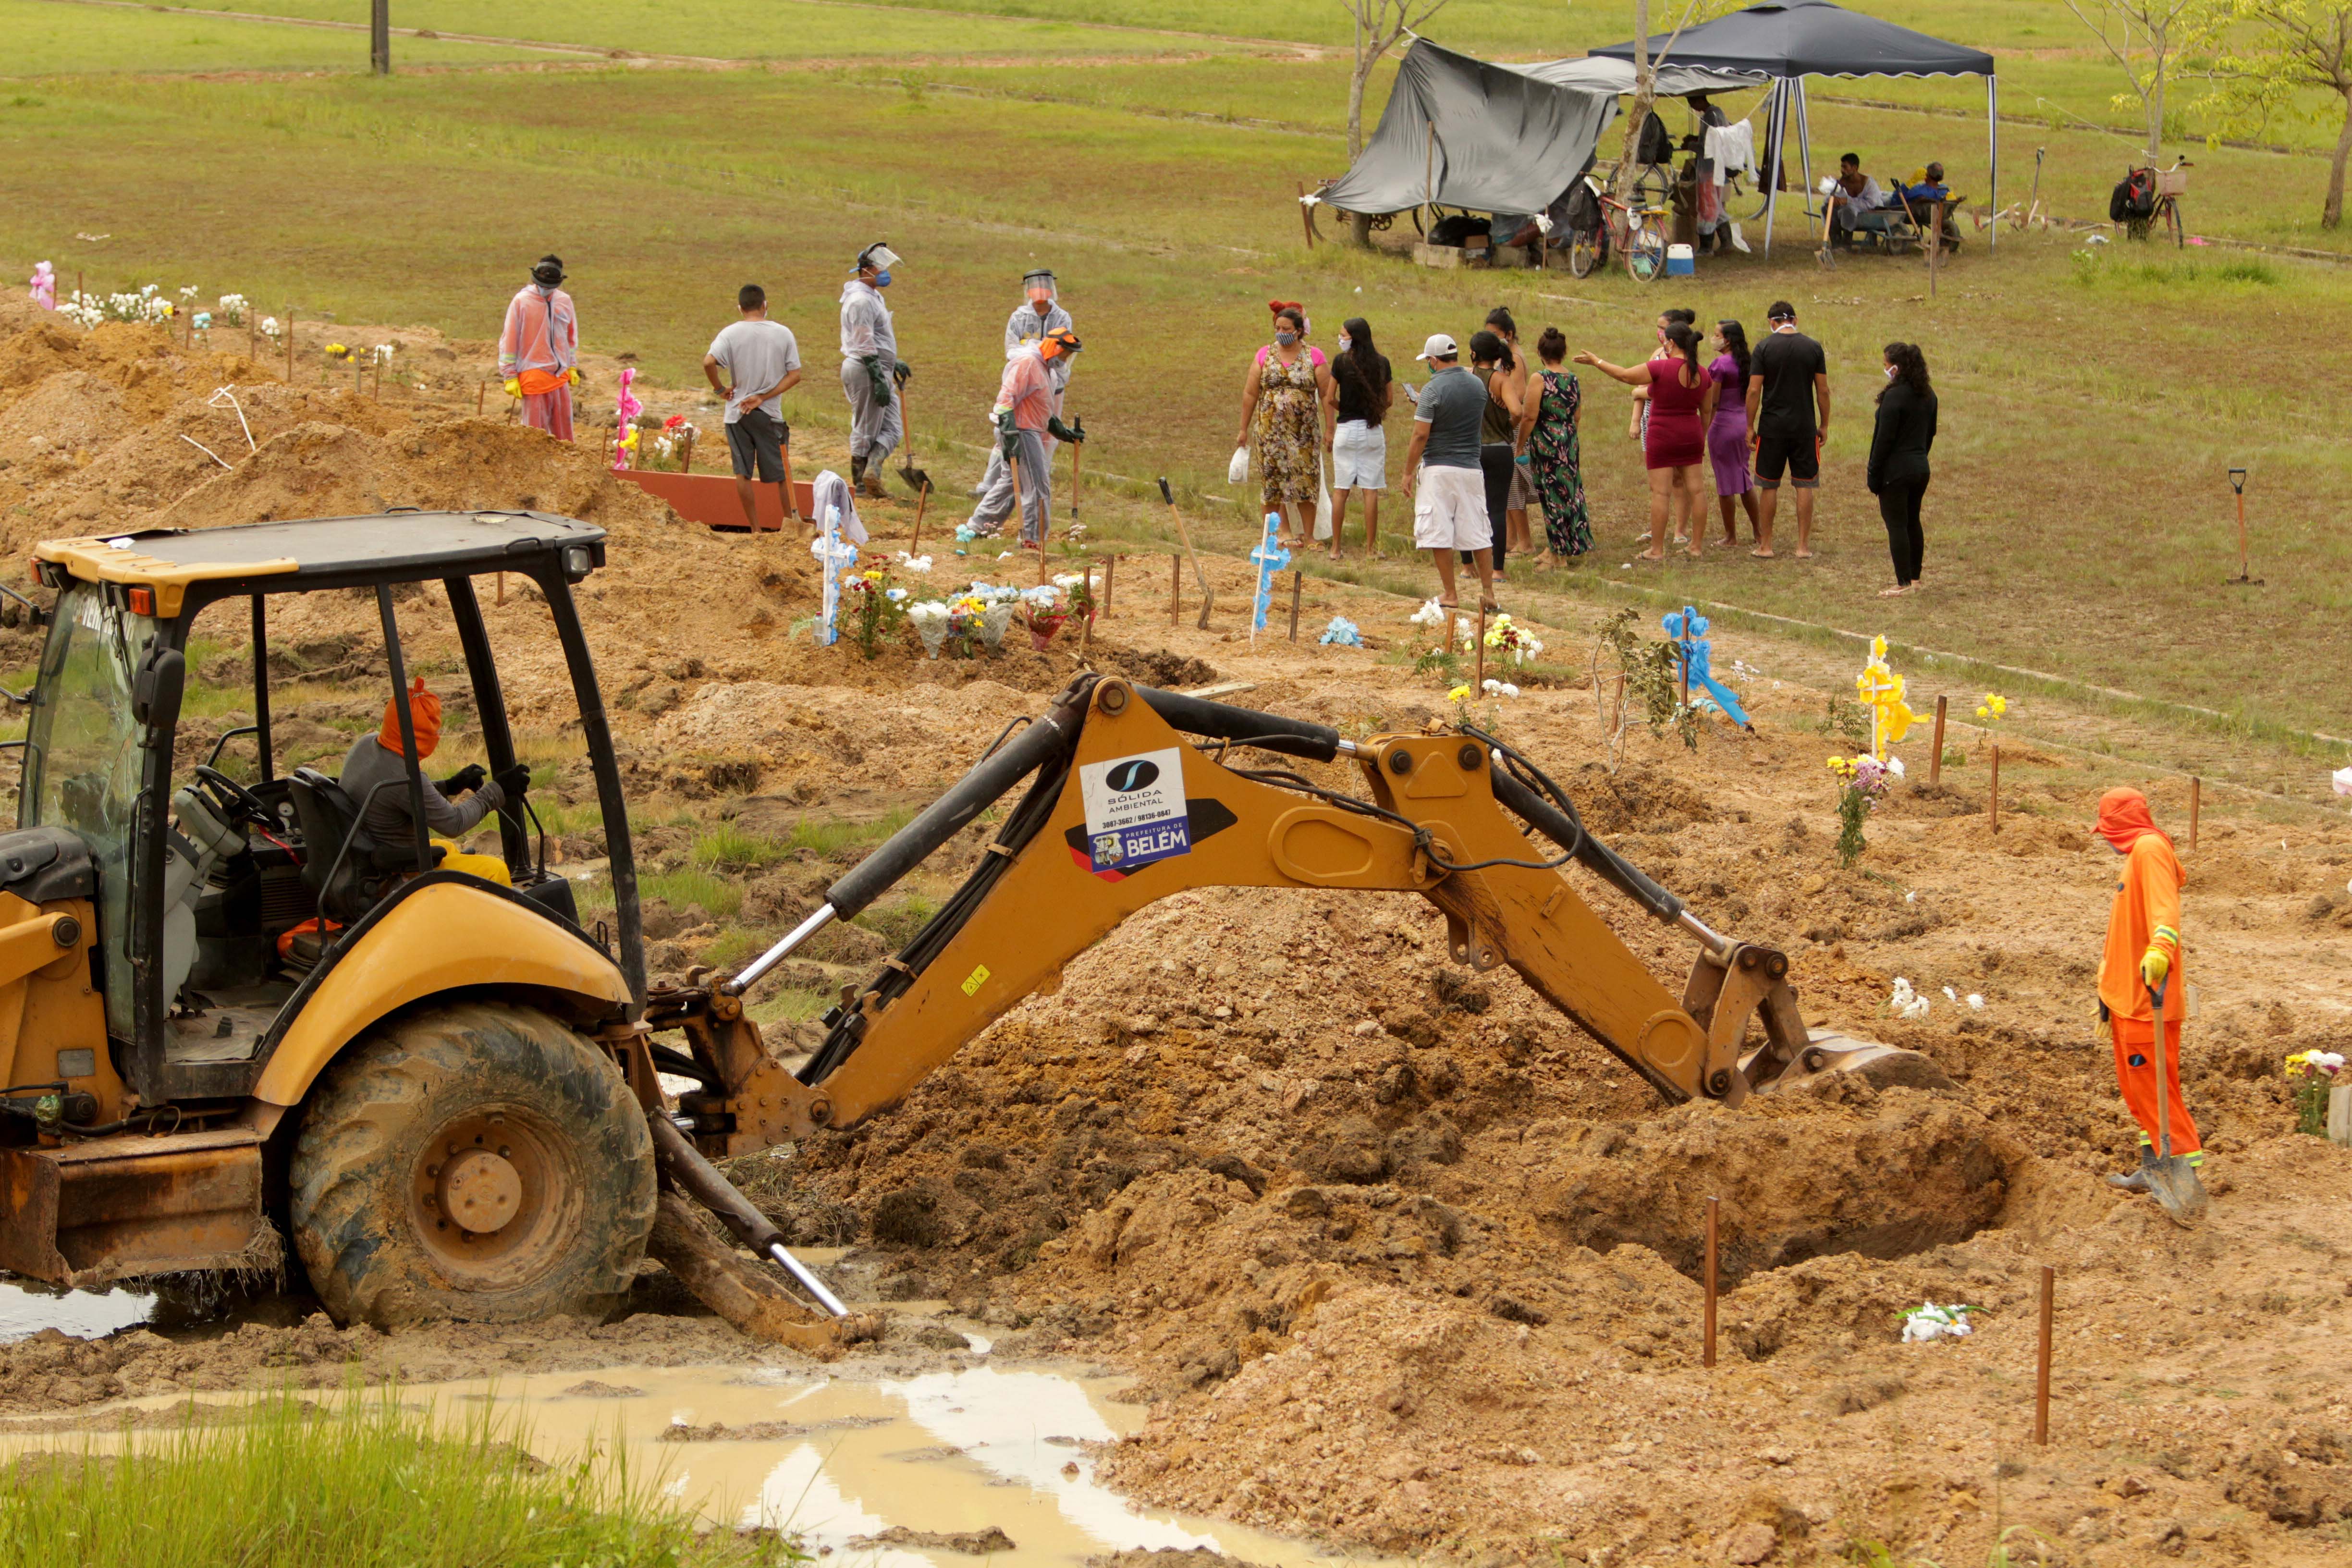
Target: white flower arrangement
[
  {"x": 1431, "y": 613},
  {"x": 914, "y": 562},
  {"x": 930, "y": 620},
  {"x": 270, "y": 329},
  {"x": 1494, "y": 688},
  {"x": 1513, "y": 641},
  {"x": 231, "y": 308}
]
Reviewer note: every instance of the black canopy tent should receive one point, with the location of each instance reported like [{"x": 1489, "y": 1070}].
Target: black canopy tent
[
  {"x": 1490, "y": 138},
  {"x": 1793, "y": 39}
]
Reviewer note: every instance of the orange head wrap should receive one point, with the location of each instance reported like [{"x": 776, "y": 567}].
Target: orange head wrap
[
  {"x": 423, "y": 713},
  {"x": 2124, "y": 819}
]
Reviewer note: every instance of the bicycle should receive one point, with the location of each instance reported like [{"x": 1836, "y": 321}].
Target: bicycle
[
  {"x": 1638, "y": 233},
  {"x": 2170, "y": 185}
]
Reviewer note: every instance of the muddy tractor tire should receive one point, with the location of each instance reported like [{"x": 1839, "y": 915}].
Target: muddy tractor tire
[{"x": 481, "y": 1163}]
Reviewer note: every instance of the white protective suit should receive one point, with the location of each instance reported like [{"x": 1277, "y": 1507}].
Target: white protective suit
[
  {"x": 875, "y": 427},
  {"x": 1026, "y": 329}
]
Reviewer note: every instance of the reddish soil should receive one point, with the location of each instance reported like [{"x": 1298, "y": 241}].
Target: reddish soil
[{"x": 1399, "y": 1257}]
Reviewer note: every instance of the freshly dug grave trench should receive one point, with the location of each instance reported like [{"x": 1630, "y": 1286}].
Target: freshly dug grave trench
[{"x": 1221, "y": 1165}]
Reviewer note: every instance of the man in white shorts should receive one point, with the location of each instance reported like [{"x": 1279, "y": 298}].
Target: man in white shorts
[{"x": 1441, "y": 472}]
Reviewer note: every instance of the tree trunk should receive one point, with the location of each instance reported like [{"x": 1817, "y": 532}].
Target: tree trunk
[
  {"x": 1646, "y": 93},
  {"x": 1356, "y": 103},
  {"x": 1360, "y": 230},
  {"x": 2331, "y": 215},
  {"x": 2155, "y": 107},
  {"x": 1356, "y": 90}
]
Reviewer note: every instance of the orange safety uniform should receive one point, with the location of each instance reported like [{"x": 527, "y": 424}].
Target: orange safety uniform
[{"x": 2145, "y": 915}]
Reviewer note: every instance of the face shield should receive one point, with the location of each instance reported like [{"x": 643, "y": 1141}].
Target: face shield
[{"x": 1039, "y": 286}]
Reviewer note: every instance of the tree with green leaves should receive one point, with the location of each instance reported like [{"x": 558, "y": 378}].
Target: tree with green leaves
[
  {"x": 1379, "y": 24},
  {"x": 2149, "y": 39},
  {"x": 2279, "y": 52}
]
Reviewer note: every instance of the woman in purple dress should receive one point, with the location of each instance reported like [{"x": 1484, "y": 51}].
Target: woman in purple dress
[{"x": 1727, "y": 435}]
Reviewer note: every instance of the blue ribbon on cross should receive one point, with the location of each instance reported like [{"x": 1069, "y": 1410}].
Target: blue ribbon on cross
[{"x": 1687, "y": 627}]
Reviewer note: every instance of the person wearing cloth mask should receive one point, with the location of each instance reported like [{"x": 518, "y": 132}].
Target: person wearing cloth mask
[
  {"x": 1039, "y": 312},
  {"x": 870, "y": 368},
  {"x": 1289, "y": 404},
  {"x": 1025, "y": 417},
  {"x": 375, "y": 776},
  {"x": 1365, "y": 387},
  {"x": 538, "y": 349},
  {"x": 2143, "y": 957}
]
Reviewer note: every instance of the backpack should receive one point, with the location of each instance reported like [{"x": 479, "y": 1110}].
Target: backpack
[
  {"x": 1655, "y": 146},
  {"x": 1583, "y": 209},
  {"x": 2133, "y": 198},
  {"x": 1453, "y": 230}
]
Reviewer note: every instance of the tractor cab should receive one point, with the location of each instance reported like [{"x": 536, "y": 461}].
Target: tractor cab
[{"x": 191, "y": 930}]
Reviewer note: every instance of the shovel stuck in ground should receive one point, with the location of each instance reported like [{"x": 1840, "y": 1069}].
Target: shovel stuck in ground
[
  {"x": 1208, "y": 594},
  {"x": 2170, "y": 1176},
  {"x": 918, "y": 480}
]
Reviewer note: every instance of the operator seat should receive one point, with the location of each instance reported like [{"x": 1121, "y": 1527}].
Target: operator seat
[{"x": 343, "y": 864}]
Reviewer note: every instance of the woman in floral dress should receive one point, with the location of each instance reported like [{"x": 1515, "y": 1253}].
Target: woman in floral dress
[
  {"x": 1288, "y": 404},
  {"x": 1552, "y": 451}
]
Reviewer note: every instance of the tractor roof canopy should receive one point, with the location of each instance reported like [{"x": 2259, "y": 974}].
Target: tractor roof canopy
[{"x": 299, "y": 556}]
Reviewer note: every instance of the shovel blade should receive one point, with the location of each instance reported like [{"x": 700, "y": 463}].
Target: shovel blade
[
  {"x": 2175, "y": 1184},
  {"x": 918, "y": 480},
  {"x": 1207, "y": 600}
]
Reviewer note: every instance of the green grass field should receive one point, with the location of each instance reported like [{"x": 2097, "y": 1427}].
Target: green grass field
[{"x": 2079, "y": 523}]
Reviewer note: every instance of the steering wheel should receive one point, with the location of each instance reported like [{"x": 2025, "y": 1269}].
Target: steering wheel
[{"x": 234, "y": 797}]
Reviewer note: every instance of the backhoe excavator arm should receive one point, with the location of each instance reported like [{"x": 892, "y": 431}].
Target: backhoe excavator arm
[{"x": 1124, "y": 809}]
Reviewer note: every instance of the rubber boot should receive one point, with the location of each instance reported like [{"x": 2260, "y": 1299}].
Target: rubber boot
[
  {"x": 856, "y": 469},
  {"x": 873, "y": 487},
  {"x": 2137, "y": 1181}
]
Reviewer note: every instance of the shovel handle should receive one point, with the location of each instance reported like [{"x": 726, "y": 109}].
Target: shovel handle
[{"x": 2163, "y": 1100}]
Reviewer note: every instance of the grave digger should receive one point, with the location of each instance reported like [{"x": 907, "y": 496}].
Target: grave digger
[{"x": 227, "y": 1012}]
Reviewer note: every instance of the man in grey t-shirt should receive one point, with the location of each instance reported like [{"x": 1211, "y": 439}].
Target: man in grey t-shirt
[
  {"x": 763, "y": 361},
  {"x": 1441, "y": 472}
]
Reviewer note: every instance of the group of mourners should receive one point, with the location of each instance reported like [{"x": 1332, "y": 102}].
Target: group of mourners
[
  {"x": 754, "y": 361},
  {"x": 1505, "y": 437}
]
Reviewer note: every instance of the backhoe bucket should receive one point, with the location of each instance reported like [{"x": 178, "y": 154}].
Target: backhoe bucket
[{"x": 1879, "y": 1065}]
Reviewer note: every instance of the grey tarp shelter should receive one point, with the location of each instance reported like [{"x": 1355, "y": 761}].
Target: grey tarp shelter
[
  {"x": 1793, "y": 39},
  {"x": 1493, "y": 138}
]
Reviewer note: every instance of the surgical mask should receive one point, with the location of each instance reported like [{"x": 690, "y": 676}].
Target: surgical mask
[
  {"x": 1346, "y": 342},
  {"x": 882, "y": 278},
  {"x": 1286, "y": 339},
  {"x": 1890, "y": 372}
]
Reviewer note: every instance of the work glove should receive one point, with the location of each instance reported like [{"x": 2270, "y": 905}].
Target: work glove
[
  {"x": 2153, "y": 968},
  {"x": 515, "y": 782},
  {"x": 465, "y": 779},
  {"x": 877, "y": 378},
  {"x": 577, "y": 376},
  {"x": 514, "y": 386},
  {"x": 1008, "y": 436},
  {"x": 901, "y": 372},
  {"x": 1074, "y": 433}
]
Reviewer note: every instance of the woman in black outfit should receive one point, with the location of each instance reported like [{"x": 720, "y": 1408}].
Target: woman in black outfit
[
  {"x": 1898, "y": 459},
  {"x": 1492, "y": 362}
]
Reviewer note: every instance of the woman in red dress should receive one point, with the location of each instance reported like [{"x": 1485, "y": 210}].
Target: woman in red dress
[{"x": 1682, "y": 401}]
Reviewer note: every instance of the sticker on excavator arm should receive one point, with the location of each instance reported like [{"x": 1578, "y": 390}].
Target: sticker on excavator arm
[
  {"x": 975, "y": 980},
  {"x": 1135, "y": 809}
]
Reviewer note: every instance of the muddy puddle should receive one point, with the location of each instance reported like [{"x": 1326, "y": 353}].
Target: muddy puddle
[
  {"x": 26, "y": 1308},
  {"x": 870, "y": 1470}
]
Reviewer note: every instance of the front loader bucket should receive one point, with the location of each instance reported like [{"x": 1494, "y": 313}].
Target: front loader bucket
[
  {"x": 116, "y": 1207},
  {"x": 1880, "y": 1065}
]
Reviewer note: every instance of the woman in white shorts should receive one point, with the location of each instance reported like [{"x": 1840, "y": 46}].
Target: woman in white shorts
[{"x": 1363, "y": 387}]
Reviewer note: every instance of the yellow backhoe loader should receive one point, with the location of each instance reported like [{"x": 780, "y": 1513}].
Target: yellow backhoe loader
[{"x": 229, "y": 1011}]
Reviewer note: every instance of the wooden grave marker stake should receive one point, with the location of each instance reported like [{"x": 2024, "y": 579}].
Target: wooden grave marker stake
[{"x": 1936, "y": 763}]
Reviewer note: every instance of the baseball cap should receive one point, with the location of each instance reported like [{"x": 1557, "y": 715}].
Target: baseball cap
[{"x": 1439, "y": 346}]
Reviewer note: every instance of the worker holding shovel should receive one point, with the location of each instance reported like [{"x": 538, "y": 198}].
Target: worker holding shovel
[
  {"x": 2141, "y": 971},
  {"x": 1025, "y": 417}
]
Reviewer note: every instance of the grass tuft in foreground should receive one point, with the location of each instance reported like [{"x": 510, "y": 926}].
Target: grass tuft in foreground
[{"x": 360, "y": 1480}]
